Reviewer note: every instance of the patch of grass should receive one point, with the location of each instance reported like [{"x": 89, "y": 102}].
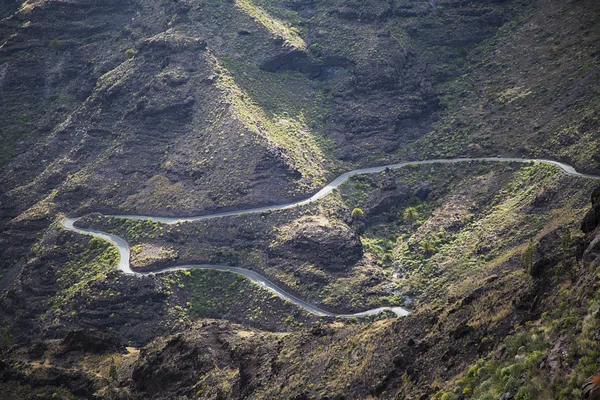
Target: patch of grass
[
  {"x": 217, "y": 294},
  {"x": 93, "y": 263},
  {"x": 290, "y": 132},
  {"x": 277, "y": 27}
]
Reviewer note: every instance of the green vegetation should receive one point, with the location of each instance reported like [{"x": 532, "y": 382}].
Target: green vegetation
[
  {"x": 528, "y": 352},
  {"x": 290, "y": 132},
  {"x": 91, "y": 263},
  {"x": 286, "y": 96},
  {"x": 217, "y": 294},
  {"x": 129, "y": 53},
  {"x": 6, "y": 339},
  {"x": 55, "y": 45},
  {"x": 138, "y": 229},
  {"x": 275, "y": 26},
  {"x": 427, "y": 247},
  {"x": 528, "y": 256},
  {"x": 447, "y": 244},
  {"x": 411, "y": 215},
  {"x": 112, "y": 373},
  {"x": 490, "y": 379},
  {"x": 566, "y": 239},
  {"x": 212, "y": 293},
  {"x": 357, "y": 213}
]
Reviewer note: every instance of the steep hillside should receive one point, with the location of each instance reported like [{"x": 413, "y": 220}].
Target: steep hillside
[
  {"x": 527, "y": 334},
  {"x": 531, "y": 90},
  {"x": 188, "y": 107}
]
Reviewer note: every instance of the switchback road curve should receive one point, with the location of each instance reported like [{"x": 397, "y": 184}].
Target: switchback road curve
[{"x": 123, "y": 246}]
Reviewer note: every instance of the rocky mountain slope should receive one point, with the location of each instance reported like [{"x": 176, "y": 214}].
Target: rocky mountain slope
[
  {"x": 542, "y": 347},
  {"x": 189, "y": 106}
]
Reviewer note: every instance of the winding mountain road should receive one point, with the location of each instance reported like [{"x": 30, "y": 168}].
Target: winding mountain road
[{"x": 123, "y": 246}]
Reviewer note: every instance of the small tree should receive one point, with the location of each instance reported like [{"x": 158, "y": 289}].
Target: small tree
[
  {"x": 527, "y": 257},
  {"x": 129, "y": 53},
  {"x": 357, "y": 213},
  {"x": 427, "y": 247},
  {"x": 112, "y": 373},
  {"x": 410, "y": 216},
  {"x": 95, "y": 243},
  {"x": 566, "y": 240},
  {"x": 6, "y": 340}
]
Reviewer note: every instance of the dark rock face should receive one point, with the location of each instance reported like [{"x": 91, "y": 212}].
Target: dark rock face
[
  {"x": 385, "y": 201},
  {"x": 290, "y": 60},
  {"x": 91, "y": 341},
  {"x": 135, "y": 312},
  {"x": 173, "y": 369},
  {"x": 398, "y": 70},
  {"x": 335, "y": 248},
  {"x": 164, "y": 44},
  {"x": 79, "y": 384},
  {"x": 541, "y": 266},
  {"x": 391, "y": 196},
  {"x": 592, "y": 218},
  {"x": 422, "y": 192}
]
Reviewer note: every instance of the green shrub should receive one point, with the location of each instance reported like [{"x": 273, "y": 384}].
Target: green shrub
[
  {"x": 566, "y": 240},
  {"x": 95, "y": 243},
  {"x": 6, "y": 339},
  {"x": 528, "y": 256},
  {"x": 427, "y": 247},
  {"x": 129, "y": 53},
  {"x": 55, "y": 45},
  {"x": 410, "y": 216},
  {"x": 526, "y": 393},
  {"x": 113, "y": 370},
  {"x": 357, "y": 213}
]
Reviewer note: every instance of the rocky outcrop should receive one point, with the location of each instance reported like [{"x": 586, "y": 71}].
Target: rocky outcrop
[
  {"x": 90, "y": 341},
  {"x": 333, "y": 247},
  {"x": 291, "y": 59},
  {"x": 592, "y": 218},
  {"x": 170, "y": 42},
  {"x": 173, "y": 367}
]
